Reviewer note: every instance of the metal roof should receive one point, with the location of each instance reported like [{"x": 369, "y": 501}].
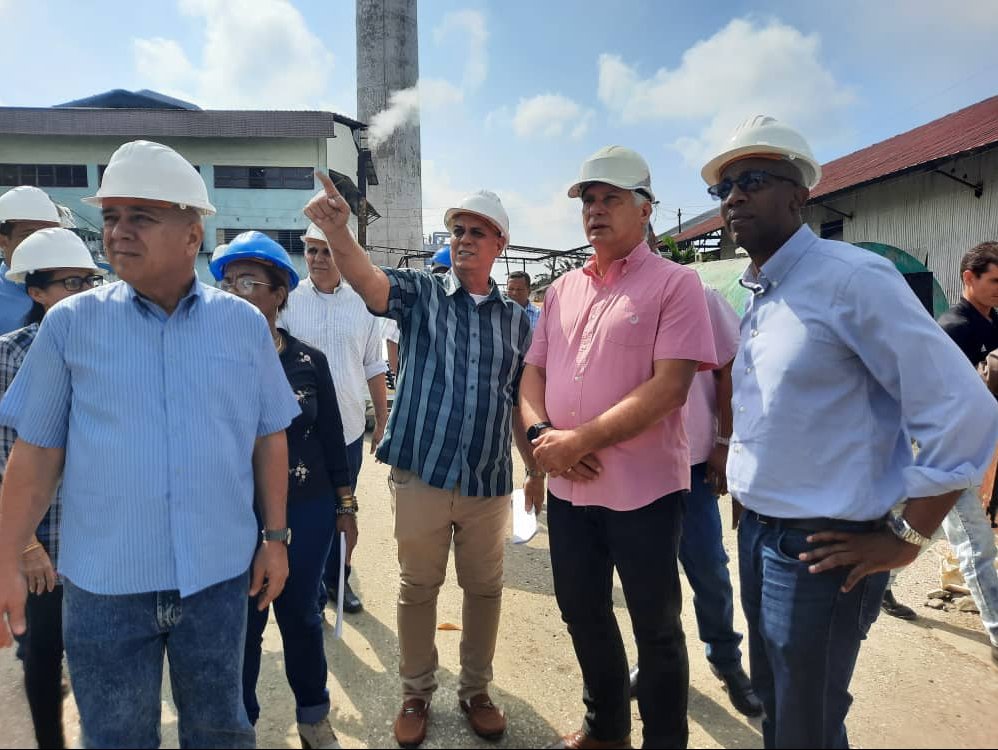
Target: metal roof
[
  {"x": 176, "y": 123},
  {"x": 968, "y": 130}
]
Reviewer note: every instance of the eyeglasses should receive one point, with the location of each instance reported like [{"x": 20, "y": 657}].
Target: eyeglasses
[
  {"x": 242, "y": 285},
  {"x": 751, "y": 181},
  {"x": 76, "y": 283}
]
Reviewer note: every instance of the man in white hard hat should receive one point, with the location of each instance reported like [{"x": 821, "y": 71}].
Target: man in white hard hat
[
  {"x": 831, "y": 369},
  {"x": 327, "y": 313},
  {"x": 163, "y": 405},
  {"x": 23, "y": 211},
  {"x": 612, "y": 360},
  {"x": 447, "y": 442}
]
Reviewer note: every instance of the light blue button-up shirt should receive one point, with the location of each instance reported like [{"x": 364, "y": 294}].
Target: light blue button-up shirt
[
  {"x": 838, "y": 370},
  {"x": 14, "y": 302},
  {"x": 158, "y": 416}
]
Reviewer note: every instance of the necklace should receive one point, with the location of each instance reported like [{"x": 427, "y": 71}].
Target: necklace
[{"x": 279, "y": 342}]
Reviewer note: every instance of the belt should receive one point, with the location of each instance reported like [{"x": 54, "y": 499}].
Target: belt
[{"x": 819, "y": 524}]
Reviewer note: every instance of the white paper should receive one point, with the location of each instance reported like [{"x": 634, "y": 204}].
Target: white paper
[
  {"x": 524, "y": 523},
  {"x": 338, "y": 633}
]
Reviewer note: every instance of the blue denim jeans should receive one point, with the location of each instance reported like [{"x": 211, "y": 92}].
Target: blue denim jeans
[
  {"x": 804, "y": 635},
  {"x": 299, "y": 617},
  {"x": 968, "y": 531},
  {"x": 115, "y": 646},
  {"x": 701, "y": 551},
  {"x": 331, "y": 577}
]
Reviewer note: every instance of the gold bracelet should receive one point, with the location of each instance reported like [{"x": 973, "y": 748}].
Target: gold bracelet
[{"x": 31, "y": 547}]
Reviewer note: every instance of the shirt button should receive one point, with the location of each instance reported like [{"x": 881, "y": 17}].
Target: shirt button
[
  {"x": 573, "y": 413},
  {"x": 748, "y": 369},
  {"x": 737, "y": 449},
  {"x": 741, "y": 409},
  {"x": 578, "y": 377},
  {"x": 755, "y": 332}
]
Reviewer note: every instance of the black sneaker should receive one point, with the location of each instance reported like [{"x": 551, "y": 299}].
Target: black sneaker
[
  {"x": 738, "y": 686},
  {"x": 891, "y": 606}
]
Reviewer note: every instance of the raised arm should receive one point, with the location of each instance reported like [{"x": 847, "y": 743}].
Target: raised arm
[{"x": 330, "y": 212}]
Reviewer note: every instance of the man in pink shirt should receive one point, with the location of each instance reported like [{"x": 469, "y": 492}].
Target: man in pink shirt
[{"x": 610, "y": 366}]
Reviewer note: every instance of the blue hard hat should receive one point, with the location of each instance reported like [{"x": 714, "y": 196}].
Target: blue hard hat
[
  {"x": 254, "y": 246},
  {"x": 442, "y": 257}
]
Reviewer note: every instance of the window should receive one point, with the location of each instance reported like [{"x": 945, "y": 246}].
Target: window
[
  {"x": 289, "y": 239},
  {"x": 832, "y": 230},
  {"x": 264, "y": 178},
  {"x": 44, "y": 175}
]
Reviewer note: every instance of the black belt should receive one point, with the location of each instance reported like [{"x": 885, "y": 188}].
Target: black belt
[{"x": 819, "y": 524}]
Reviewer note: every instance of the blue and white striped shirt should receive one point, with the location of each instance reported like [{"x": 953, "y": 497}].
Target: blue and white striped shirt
[
  {"x": 459, "y": 373},
  {"x": 158, "y": 416},
  {"x": 15, "y": 304}
]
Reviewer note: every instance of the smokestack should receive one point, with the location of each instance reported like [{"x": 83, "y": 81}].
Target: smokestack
[{"x": 387, "y": 62}]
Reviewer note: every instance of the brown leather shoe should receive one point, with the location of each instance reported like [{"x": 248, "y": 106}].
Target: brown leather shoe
[
  {"x": 410, "y": 726},
  {"x": 487, "y": 720},
  {"x": 581, "y": 741}
]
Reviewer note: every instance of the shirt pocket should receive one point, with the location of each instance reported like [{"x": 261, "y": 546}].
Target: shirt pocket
[{"x": 631, "y": 325}]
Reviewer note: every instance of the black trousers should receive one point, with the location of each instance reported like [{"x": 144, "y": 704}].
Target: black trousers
[
  {"x": 587, "y": 543},
  {"x": 43, "y": 666}
]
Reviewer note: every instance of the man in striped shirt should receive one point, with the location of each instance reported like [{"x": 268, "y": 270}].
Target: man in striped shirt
[{"x": 448, "y": 442}]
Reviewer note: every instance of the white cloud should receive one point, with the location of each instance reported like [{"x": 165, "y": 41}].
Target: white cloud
[
  {"x": 404, "y": 106},
  {"x": 746, "y": 68},
  {"x": 469, "y": 25},
  {"x": 551, "y": 116},
  {"x": 255, "y": 55}
]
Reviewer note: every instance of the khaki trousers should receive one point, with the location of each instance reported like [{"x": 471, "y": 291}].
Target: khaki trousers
[{"x": 426, "y": 520}]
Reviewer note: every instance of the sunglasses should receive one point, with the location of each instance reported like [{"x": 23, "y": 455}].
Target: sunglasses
[
  {"x": 76, "y": 283},
  {"x": 751, "y": 181}
]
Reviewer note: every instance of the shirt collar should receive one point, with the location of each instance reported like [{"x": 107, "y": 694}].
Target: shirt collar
[
  {"x": 779, "y": 266},
  {"x": 146, "y": 305},
  {"x": 620, "y": 267},
  {"x": 452, "y": 284}
]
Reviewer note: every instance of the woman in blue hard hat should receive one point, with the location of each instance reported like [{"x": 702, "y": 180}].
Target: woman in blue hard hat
[
  {"x": 320, "y": 501},
  {"x": 52, "y": 264}
]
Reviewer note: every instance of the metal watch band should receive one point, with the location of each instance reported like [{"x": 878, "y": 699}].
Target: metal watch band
[
  {"x": 903, "y": 530},
  {"x": 536, "y": 473},
  {"x": 276, "y": 535}
]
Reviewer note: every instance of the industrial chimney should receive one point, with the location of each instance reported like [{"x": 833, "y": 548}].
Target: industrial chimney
[{"x": 388, "y": 61}]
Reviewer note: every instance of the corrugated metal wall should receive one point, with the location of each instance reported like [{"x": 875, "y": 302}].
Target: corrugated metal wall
[{"x": 927, "y": 215}]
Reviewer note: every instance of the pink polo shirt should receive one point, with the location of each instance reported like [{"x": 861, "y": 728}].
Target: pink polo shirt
[
  {"x": 597, "y": 340},
  {"x": 700, "y": 412}
]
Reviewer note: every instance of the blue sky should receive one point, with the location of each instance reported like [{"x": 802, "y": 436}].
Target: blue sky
[{"x": 515, "y": 94}]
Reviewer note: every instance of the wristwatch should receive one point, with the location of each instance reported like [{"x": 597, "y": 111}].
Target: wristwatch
[
  {"x": 535, "y": 430},
  {"x": 277, "y": 535},
  {"x": 900, "y": 527}
]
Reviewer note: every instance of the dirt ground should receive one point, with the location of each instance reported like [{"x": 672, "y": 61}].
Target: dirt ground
[{"x": 930, "y": 683}]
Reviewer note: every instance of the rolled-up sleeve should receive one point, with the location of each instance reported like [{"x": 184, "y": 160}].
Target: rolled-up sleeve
[
  {"x": 945, "y": 407},
  {"x": 278, "y": 405},
  {"x": 37, "y": 403}
]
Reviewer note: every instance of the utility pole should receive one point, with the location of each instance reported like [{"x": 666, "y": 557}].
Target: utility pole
[
  {"x": 363, "y": 155},
  {"x": 679, "y": 214}
]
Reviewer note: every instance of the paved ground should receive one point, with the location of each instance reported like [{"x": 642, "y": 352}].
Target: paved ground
[{"x": 925, "y": 684}]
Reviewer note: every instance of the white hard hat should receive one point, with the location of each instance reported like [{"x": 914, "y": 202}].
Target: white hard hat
[
  {"x": 50, "y": 248},
  {"x": 762, "y": 135},
  {"x": 152, "y": 171},
  {"x": 314, "y": 233},
  {"x": 484, "y": 204},
  {"x": 28, "y": 203},
  {"x": 617, "y": 166}
]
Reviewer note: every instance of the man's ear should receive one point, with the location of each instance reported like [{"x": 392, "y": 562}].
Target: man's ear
[{"x": 801, "y": 194}]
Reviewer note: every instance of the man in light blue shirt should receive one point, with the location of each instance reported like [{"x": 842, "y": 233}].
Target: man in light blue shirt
[
  {"x": 23, "y": 211},
  {"x": 518, "y": 290},
  {"x": 839, "y": 369},
  {"x": 163, "y": 404}
]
